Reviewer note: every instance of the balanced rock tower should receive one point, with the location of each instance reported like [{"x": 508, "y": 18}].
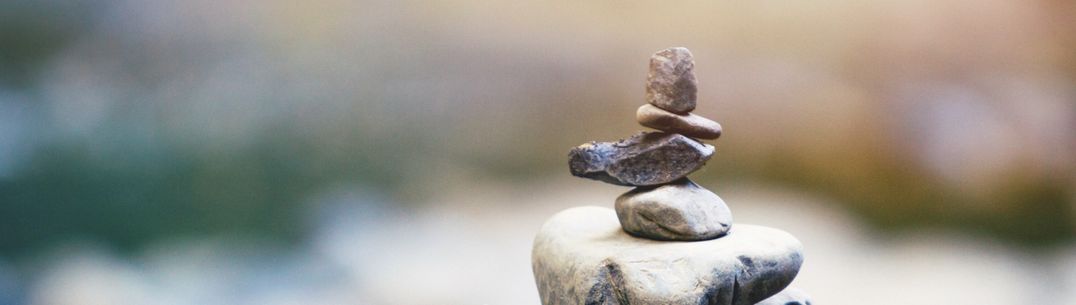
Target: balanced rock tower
[{"x": 669, "y": 240}]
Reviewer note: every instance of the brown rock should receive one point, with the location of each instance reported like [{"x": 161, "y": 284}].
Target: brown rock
[
  {"x": 688, "y": 124},
  {"x": 647, "y": 158},
  {"x": 671, "y": 82}
]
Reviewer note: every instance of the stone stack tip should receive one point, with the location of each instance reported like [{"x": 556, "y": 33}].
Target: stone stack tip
[{"x": 671, "y": 83}]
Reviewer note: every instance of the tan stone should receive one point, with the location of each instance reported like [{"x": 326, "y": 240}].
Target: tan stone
[
  {"x": 671, "y": 82},
  {"x": 687, "y": 124}
]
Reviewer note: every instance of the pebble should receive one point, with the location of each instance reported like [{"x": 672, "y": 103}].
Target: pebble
[
  {"x": 686, "y": 124},
  {"x": 582, "y": 256},
  {"x": 647, "y": 158},
  {"x": 671, "y": 83},
  {"x": 789, "y": 296},
  {"x": 681, "y": 210}
]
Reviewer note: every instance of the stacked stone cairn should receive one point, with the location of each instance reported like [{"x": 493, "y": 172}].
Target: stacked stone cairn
[{"x": 669, "y": 240}]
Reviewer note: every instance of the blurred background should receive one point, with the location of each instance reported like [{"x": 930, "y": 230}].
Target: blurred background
[{"x": 406, "y": 152}]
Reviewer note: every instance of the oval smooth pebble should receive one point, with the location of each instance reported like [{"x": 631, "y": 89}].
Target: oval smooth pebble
[{"x": 690, "y": 125}]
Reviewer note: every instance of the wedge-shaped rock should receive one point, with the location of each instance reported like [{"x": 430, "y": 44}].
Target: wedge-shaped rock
[
  {"x": 681, "y": 210},
  {"x": 671, "y": 82},
  {"x": 582, "y": 257},
  {"x": 789, "y": 296},
  {"x": 690, "y": 124},
  {"x": 647, "y": 158}
]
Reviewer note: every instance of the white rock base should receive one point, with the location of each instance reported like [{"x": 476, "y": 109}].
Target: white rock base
[{"x": 582, "y": 256}]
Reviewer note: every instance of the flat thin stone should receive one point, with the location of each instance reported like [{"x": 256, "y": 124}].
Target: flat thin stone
[
  {"x": 671, "y": 83},
  {"x": 789, "y": 296},
  {"x": 686, "y": 124},
  {"x": 681, "y": 210},
  {"x": 581, "y": 256},
  {"x": 647, "y": 158}
]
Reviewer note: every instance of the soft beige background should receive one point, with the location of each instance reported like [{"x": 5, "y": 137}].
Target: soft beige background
[{"x": 405, "y": 152}]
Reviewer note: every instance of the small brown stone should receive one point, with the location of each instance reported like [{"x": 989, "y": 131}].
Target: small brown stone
[
  {"x": 671, "y": 82},
  {"x": 687, "y": 124}
]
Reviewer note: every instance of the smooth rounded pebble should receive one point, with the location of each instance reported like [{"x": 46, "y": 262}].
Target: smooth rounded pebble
[
  {"x": 789, "y": 296},
  {"x": 671, "y": 83},
  {"x": 690, "y": 124},
  {"x": 681, "y": 210},
  {"x": 582, "y": 256}
]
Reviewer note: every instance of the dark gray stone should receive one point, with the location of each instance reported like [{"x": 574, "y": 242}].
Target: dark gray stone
[
  {"x": 681, "y": 210},
  {"x": 581, "y": 256},
  {"x": 789, "y": 296},
  {"x": 647, "y": 158},
  {"x": 671, "y": 83},
  {"x": 686, "y": 124}
]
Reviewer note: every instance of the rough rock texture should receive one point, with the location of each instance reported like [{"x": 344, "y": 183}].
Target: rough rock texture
[
  {"x": 581, "y": 256},
  {"x": 681, "y": 210},
  {"x": 686, "y": 124},
  {"x": 647, "y": 158},
  {"x": 789, "y": 296},
  {"x": 671, "y": 82}
]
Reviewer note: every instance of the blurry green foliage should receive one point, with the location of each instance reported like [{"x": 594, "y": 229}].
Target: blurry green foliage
[{"x": 131, "y": 193}]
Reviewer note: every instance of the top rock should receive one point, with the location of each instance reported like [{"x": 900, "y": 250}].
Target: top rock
[{"x": 671, "y": 83}]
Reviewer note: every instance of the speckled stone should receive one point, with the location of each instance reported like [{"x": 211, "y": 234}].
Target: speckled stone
[
  {"x": 671, "y": 83},
  {"x": 681, "y": 210},
  {"x": 581, "y": 256},
  {"x": 789, "y": 296},
  {"x": 686, "y": 124},
  {"x": 647, "y": 158}
]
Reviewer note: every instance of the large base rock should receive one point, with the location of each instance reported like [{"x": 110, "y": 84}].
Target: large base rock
[{"x": 582, "y": 256}]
